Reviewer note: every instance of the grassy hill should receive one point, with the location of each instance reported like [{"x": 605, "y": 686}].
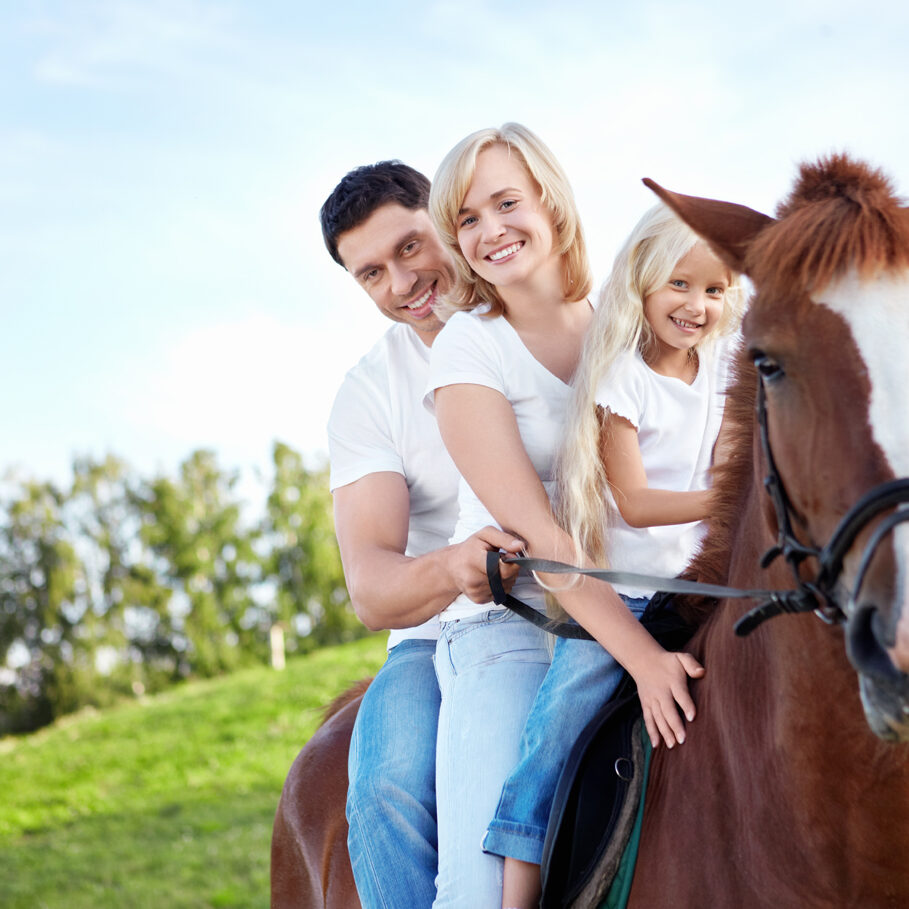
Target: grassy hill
[{"x": 167, "y": 801}]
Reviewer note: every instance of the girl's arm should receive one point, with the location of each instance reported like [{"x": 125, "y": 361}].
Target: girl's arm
[
  {"x": 479, "y": 429},
  {"x": 638, "y": 504}
]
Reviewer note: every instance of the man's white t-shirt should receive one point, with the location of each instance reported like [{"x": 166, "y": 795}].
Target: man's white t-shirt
[
  {"x": 378, "y": 423},
  {"x": 677, "y": 427},
  {"x": 472, "y": 350}
]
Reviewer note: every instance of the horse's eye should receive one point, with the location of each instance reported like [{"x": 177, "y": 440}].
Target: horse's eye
[{"x": 768, "y": 368}]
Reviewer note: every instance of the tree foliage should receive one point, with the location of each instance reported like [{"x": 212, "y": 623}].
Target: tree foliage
[
  {"x": 302, "y": 562},
  {"x": 123, "y": 584}
]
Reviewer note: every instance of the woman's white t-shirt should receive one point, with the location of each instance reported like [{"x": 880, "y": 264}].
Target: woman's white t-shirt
[
  {"x": 677, "y": 426},
  {"x": 473, "y": 350}
]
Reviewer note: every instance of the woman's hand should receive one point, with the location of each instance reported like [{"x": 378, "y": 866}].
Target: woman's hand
[{"x": 663, "y": 688}]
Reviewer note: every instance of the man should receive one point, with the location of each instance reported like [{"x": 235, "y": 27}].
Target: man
[{"x": 395, "y": 500}]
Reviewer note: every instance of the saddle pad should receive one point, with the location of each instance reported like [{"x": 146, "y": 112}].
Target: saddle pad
[
  {"x": 595, "y": 807},
  {"x": 617, "y": 898},
  {"x": 598, "y": 794}
]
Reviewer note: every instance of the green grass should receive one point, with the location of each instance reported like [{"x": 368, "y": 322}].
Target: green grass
[{"x": 166, "y": 802}]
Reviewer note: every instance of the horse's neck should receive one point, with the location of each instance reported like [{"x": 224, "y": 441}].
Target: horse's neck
[
  {"x": 779, "y": 765},
  {"x": 787, "y": 688}
]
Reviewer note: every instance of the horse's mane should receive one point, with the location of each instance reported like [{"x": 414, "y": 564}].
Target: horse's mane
[
  {"x": 841, "y": 214},
  {"x": 730, "y": 479},
  {"x": 344, "y": 698}
]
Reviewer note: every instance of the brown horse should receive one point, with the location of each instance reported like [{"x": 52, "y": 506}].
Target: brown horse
[
  {"x": 310, "y": 865},
  {"x": 782, "y": 795},
  {"x": 792, "y": 789}
]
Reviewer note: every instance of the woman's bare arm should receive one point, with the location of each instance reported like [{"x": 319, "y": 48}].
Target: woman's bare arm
[{"x": 490, "y": 455}]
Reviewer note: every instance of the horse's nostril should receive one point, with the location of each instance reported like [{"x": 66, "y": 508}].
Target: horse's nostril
[{"x": 864, "y": 643}]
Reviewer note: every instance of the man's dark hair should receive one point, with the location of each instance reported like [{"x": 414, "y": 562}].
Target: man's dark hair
[{"x": 364, "y": 190}]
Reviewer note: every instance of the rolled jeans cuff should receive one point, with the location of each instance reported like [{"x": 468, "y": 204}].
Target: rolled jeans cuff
[{"x": 519, "y": 841}]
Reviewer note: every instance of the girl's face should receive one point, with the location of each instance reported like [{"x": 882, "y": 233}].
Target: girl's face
[
  {"x": 505, "y": 232},
  {"x": 688, "y": 306}
]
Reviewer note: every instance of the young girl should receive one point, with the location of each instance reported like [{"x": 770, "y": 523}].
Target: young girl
[
  {"x": 648, "y": 401},
  {"x": 499, "y": 382},
  {"x": 633, "y": 477}
]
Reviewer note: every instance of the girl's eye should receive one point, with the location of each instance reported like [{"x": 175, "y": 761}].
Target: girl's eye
[
  {"x": 716, "y": 291},
  {"x": 508, "y": 203},
  {"x": 677, "y": 282},
  {"x": 468, "y": 221}
]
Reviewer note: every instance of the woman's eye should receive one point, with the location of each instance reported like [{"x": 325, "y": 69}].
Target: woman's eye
[
  {"x": 468, "y": 221},
  {"x": 508, "y": 203}
]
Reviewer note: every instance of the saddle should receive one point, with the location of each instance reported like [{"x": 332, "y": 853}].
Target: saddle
[{"x": 597, "y": 799}]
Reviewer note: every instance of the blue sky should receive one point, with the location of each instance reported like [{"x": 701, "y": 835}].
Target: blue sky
[{"x": 163, "y": 283}]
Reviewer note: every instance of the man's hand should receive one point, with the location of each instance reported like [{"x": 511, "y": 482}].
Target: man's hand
[{"x": 468, "y": 562}]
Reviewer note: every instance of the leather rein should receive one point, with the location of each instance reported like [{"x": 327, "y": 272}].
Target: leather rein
[{"x": 818, "y": 595}]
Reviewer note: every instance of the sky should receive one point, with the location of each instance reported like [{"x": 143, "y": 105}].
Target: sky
[{"x": 163, "y": 282}]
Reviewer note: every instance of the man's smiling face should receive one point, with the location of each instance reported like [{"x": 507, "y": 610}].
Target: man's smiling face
[{"x": 396, "y": 256}]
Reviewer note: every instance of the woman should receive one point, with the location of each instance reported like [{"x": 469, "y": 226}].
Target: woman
[{"x": 499, "y": 379}]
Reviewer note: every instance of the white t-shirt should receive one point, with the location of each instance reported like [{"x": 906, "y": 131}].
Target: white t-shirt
[
  {"x": 471, "y": 350},
  {"x": 677, "y": 427},
  {"x": 378, "y": 423}
]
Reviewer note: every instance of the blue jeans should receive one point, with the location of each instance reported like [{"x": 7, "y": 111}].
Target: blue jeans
[
  {"x": 391, "y": 800},
  {"x": 583, "y": 676},
  {"x": 489, "y": 667}
]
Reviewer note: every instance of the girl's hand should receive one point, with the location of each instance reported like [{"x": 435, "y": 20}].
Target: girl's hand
[{"x": 663, "y": 686}]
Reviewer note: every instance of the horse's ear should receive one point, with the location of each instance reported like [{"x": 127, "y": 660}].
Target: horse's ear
[{"x": 728, "y": 228}]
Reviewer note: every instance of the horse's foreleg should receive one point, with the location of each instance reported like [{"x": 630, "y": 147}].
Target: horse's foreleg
[{"x": 293, "y": 884}]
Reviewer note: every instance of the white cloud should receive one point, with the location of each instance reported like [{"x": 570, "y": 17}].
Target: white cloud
[
  {"x": 96, "y": 43},
  {"x": 239, "y": 385}
]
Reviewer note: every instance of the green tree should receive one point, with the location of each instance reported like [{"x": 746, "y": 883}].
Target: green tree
[
  {"x": 129, "y": 602},
  {"x": 302, "y": 565},
  {"x": 46, "y": 654},
  {"x": 207, "y": 556}
]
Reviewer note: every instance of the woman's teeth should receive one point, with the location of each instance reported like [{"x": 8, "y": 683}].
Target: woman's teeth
[{"x": 501, "y": 253}]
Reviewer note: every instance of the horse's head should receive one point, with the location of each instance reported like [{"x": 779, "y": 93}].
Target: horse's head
[{"x": 828, "y": 330}]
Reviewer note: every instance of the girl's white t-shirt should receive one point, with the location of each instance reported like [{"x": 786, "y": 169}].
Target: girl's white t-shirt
[
  {"x": 677, "y": 426},
  {"x": 473, "y": 350}
]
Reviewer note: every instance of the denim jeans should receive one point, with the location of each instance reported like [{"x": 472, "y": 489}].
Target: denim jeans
[
  {"x": 391, "y": 800},
  {"x": 582, "y": 677},
  {"x": 489, "y": 667}
]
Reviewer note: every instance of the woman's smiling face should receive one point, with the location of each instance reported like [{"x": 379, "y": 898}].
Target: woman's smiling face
[{"x": 504, "y": 230}]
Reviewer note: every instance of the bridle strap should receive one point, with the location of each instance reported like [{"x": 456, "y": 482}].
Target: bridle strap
[
  {"x": 572, "y": 630},
  {"x": 818, "y": 595},
  {"x": 887, "y": 495},
  {"x": 787, "y": 545},
  {"x": 630, "y": 578},
  {"x": 534, "y": 616}
]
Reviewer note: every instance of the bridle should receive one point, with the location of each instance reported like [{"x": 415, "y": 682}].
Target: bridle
[{"x": 819, "y": 594}]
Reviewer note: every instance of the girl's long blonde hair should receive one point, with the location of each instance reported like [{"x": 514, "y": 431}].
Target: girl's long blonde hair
[
  {"x": 450, "y": 186},
  {"x": 646, "y": 261}
]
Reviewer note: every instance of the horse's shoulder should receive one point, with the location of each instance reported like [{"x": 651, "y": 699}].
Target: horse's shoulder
[{"x": 356, "y": 691}]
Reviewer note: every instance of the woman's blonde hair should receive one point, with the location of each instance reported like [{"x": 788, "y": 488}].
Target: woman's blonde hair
[
  {"x": 450, "y": 186},
  {"x": 645, "y": 263}
]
